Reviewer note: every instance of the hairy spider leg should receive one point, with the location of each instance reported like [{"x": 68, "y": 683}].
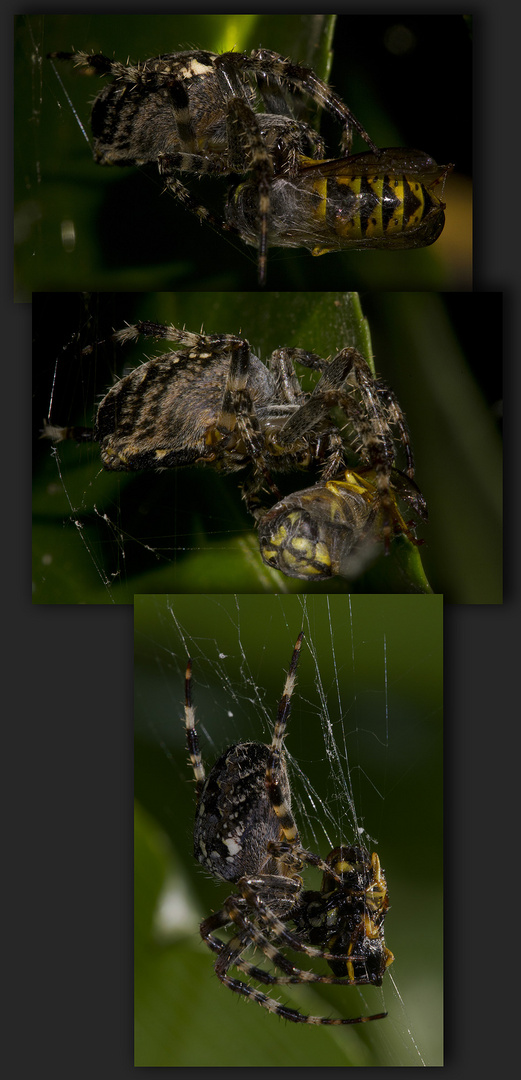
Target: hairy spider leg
[
  {"x": 264, "y": 62},
  {"x": 292, "y": 1014},
  {"x": 241, "y": 116},
  {"x": 251, "y": 935},
  {"x": 281, "y": 809},
  {"x": 397, "y": 418},
  {"x": 144, "y": 328},
  {"x": 380, "y": 410},
  {"x": 286, "y": 378},
  {"x": 252, "y": 890},
  {"x": 229, "y": 955},
  {"x": 325, "y": 396},
  {"x": 237, "y": 414}
]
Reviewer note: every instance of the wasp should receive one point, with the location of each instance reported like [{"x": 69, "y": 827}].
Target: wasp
[
  {"x": 336, "y": 528},
  {"x": 369, "y": 200}
]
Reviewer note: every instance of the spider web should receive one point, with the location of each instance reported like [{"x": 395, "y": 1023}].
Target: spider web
[{"x": 362, "y": 746}]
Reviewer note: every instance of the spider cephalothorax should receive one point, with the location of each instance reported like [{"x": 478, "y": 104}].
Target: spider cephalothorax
[{"x": 245, "y": 833}]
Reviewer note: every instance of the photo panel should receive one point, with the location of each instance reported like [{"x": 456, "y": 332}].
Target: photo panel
[
  {"x": 102, "y": 203},
  {"x": 198, "y": 513},
  {"x": 363, "y": 750}
]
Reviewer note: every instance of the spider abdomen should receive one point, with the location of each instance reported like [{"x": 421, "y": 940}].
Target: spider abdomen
[
  {"x": 133, "y": 118},
  {"x": 235, "y": 820},
  {"x": 165, "y": 413}
]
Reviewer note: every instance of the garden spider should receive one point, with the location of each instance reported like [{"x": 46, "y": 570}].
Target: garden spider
[
  {"x": 245, "y": 833},
  {"x": 211, "y": 401},
  {"x": 336, "y": 527},
  {"x": 202, "y": 112}
]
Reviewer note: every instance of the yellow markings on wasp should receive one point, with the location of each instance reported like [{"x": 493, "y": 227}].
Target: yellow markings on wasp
[
  {"x": 351, "y": 227},
  {"x": 417, "y": 217},
  {"x": 342, "y": 866},
  {"x": 352, "y": 482},
  {"x": 375, "y": 222},
  {"x": 301, "y": 544},
  {"x": 354, "y": 182},
  {"x": 396, "y": 223},
  {"x": 320, "y": 187},
  {"x": 323, "y": 561},
  {"x": 312, "y": 558},
  {"x": 280, "y": 535},
  {"x": 322, "y": 555},
  {"x": 309, "y": 558}
]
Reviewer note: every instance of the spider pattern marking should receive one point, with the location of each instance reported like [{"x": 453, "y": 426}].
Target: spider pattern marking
[
  {"x": 211, "y": 401},
  {"x": 245, "y": 833},
  {"x": 223, "y": 114}
]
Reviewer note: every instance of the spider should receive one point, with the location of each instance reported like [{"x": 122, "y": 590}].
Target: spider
[
  {"x": 245, "y": 833},
  {"x": 202, "y": 112},
  {"x": 335, "y": 528},
  {"x": 385, "y": 200},
  {"x": 211, "y": 401}
]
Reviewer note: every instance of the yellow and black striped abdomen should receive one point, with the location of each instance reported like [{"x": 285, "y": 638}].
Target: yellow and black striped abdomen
[
  {"x": 385, "y": 200},
  {"x": 375, "y": 207}
]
